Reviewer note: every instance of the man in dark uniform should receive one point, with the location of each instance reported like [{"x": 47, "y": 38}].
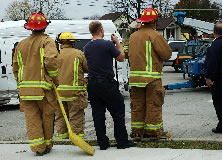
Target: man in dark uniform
[
  {"x": 213, "y": 73},
  {"x": 102, "y": 89}
]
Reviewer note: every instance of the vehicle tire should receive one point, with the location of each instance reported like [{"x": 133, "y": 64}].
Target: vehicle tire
[{"x": 177, "y": 70}]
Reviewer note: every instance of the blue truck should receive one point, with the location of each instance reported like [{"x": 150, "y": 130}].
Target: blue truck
[{"x": 193, "y": 68}]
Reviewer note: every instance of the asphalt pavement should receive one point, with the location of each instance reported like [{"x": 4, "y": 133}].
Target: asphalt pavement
[{"x": 187, "y": 113}]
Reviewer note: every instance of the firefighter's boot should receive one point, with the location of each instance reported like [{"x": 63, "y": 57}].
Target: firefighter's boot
[
  {"x": 136, "y": 137},
  {"x": 164, "y": 135}
]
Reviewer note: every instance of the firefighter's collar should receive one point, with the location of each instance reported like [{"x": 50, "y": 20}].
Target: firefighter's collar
[
  {"x": 151, "y": 26},
  {"x": 66, "y": 46}
]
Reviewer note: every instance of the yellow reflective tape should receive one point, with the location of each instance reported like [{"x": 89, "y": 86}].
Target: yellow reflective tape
[
  {"x": 81, "y": 136},
  {"x": 36, "y": 142},
  {"x": 43, "y": 18},
  {"x": 153, "y": 13},
  {"x": 76, "y": 65},
  {"x": 38, "y": 18},
  {"x": 68, "y": 88},
  {"x": 137, "y": 124},
  {"x": 141, "y": 72},
  {"x": 153, "y": 126},
  {"x": 21, "y": 66},
  {"x": 147, "y": 57},
  {"x": 151, "y": 59},
  {"x": 48, "y": 142},
  {"x": 138, "y": 84},
  {"x": 33, "y": 17},
  {"x": 148, "y": 13},
  {"x": 41, "y": 59},
  {"x": 126, "y": 47},
  {"x": 62, "y": 136},
  {"x": 53, "y": 73},
  {"x": 142, "y": 13},
  {"x": 31, "y": 97},
  {"x": 149, "y": 63},
  {"x": 68, "y": 98},
  {"x": 35, "y": 84},
  {"x": 146, "y": 74}
]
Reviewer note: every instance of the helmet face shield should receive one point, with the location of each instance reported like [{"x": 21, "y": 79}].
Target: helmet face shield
[{"x": 36, "y": 21}]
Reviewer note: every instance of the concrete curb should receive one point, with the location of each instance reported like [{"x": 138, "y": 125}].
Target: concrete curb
[{"x": 171, "y": 139}]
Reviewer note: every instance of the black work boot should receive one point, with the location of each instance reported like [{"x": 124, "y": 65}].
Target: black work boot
[
  {"x": 47, "y": 150},
  {"x": 128, "y": 145},
  {"x": 104, "y": 147},
  {"x": 40, "y": 153},
  {"x": 215, "y": 130}
]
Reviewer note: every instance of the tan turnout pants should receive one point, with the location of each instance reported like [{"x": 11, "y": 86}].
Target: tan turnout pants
[
  {"x": 146, "y": 112},
  {"x": 75, "y": 115},
  {"x": 39, "y": 117}
]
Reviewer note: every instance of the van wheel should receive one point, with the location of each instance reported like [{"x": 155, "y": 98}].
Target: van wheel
[{"x": 177, "y": 70}]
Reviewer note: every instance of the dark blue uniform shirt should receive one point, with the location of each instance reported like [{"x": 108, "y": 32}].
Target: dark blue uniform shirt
[
  {"x": 213, "y": 62},
  {"x": 99, "y": 54}
]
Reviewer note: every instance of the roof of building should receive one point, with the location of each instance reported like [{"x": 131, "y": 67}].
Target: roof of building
[
  {"x": 199, "y": 25},
  {"x": 111, "y": 16},
  {"x": 162, "y": 23}
]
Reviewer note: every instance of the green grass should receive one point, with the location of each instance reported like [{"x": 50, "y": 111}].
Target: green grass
[
  {"x": 205, "y": 145},
  {"x": 184, "y": 144}
]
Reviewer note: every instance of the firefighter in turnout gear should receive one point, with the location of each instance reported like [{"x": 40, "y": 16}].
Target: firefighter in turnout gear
[
  {"x": 72, "y": 87},
  {"x": 35, "y": 67},
  {"x": 147, "y": 51}
]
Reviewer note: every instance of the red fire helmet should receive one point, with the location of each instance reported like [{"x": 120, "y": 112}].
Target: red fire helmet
[
  {"x": 36, "y": 21},
  {"x": 149, "y": 14}
]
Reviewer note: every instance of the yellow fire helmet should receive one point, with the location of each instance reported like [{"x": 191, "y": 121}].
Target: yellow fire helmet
[{"x": 66, "y": 36}]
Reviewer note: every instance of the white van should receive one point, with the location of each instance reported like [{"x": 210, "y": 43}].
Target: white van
[
  {"x": 14, "y": 31},
  {"x": 176, "y": 46}
]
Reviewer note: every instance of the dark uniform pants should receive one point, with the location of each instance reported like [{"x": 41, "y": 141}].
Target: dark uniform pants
[
  {"x": 216, "y": 91},
  {"x": 39, "y": 121},
  {"x": 146, "y": 112},
  {"x": 104, "y": 93}
]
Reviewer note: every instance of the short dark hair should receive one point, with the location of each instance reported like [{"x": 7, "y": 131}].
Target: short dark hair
[
  {"x": 94, "y": 27},
  {"x": 217, "y": 29}
]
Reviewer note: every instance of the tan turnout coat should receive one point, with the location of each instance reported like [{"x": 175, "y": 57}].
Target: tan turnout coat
[
  {"x": 73, "y": 65},
  {"x": 35, "y": 66},
  {"x": 146, "y": 59}
]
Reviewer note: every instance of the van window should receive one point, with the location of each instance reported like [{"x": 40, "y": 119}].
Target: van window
[
  {"x": 179, "y": 46},
  {"x": 79, "y": 44},
  {"x": 3, "y": 70}
]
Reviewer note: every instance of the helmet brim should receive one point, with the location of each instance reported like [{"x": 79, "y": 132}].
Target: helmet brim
[{"x": 26, "y": 26}]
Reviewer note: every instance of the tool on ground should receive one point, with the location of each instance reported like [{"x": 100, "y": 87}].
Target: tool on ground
[{"x": 76, "y": 140}]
